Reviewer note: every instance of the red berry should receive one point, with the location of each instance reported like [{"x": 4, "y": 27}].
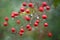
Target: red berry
[
  {"x": 27, "y": 18},
  {"x": 5, "y": 24},
  {"x": 13, "y": 15},
  {"x": 18, "y": 21},
  {"x": 16, "y": 13},
  {"x": 49, "y": 34},
  {"x": 22, "y": 9},
  {"x": 31, "y": 5},
  {"x": 21, "y": 30},
  {"x": 44, "y": 16},
  {"x": 6, "y": 18},
  {"x": 27, "y": 11},
  {"x": 45, "y": 24},
  {"x": 28, "y": 26},
  {"x": 35, "y": 24},
  {"x": 41, "y": 9},
  {"x": 37, "y": 21},
  {"x": 44, "y": 4},
  {"x": 20, "y": 33},
  {"x": 13, "y": 30},
  {"x": 47, "y": 8},
  {"x": 24, "y": 4}
]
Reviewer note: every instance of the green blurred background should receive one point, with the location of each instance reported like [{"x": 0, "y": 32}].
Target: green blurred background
[{"x": 7, "y": 6}]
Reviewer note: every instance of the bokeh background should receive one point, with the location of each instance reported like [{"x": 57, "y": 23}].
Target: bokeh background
[{"x": 7, "y": 6}]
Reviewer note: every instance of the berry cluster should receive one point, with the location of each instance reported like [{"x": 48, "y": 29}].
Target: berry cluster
[{"x": 31, "y": 13}]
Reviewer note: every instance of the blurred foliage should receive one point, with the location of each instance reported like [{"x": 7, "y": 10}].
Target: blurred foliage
[
  {"x": 7, "y": 6},
  {"x": 56, "y": 3}
]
